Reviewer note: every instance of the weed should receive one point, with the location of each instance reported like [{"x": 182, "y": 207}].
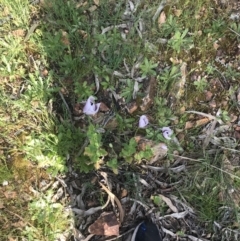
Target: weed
[
  {"x": 73, "y": 43},
  {"x": 128, "y": 151},
  {"x": 82, "y": 90},
  {"x": 113, "y": 164},
  {"x": 43, "y": 150},
  {"x": 147, "y": 68},
  {"x": 170, "y": 26},
  {"x": 201, "y": 84},
  {"x": 167, "y": 78},
  {"x": 5, "y": 173},
  {"x": 128, "y": 90},
  {"x": 93, "y": 153},
  {"x": 180, "y": 41},
  {"x": 231, "y": 73},
  {"x": 44, "y": 214},
  {"x": 163, "y": 114}
]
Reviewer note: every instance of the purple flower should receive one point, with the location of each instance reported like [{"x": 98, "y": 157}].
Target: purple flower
[
  {"x": 164, "y": 147},
  {"x": 143, "y": 121},
  {"x": 167, "y": 132},
  {"x": 90, "y": 107}
]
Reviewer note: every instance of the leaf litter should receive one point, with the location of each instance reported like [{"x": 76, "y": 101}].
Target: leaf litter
[
  {"x": 130, "y": 209},
  {"x": 156, "y": 178}
]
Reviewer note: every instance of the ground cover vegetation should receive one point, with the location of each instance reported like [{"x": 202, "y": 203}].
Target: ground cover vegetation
[{"x": 174, "y": 63}]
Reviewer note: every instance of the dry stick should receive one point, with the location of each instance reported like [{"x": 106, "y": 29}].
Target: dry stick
[
  {"x": 64, "y": 101},
  {"x": 121, "y": 212},
  {"x": 31, "y": 30},
  {"x": 234, "y": 31},
  {"x": 159, "y": 10}
]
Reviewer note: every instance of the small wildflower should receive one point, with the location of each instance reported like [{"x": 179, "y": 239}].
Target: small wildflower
[
  {"x": 167, "y": 132},
  {"x": 5, "y": 183},
  {"x": 164, "y": 147},
  {"x": 143, "y": 121},
  {"x": 90, "y": 107}
]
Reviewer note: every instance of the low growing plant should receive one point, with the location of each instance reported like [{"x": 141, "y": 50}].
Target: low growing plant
[
  {"x": 46, "y": 223},
  {"x": 180, "y": 41},
  {"x": 94, "y": 152}
]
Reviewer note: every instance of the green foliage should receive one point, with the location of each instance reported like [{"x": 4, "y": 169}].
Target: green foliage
[
  {"x": 217, "y": 28},
  {"x": 163, "y": 113},
  {"x": 70, "y": 139},
  {"x": 128, "y": 151},
  {"x": 225, "y": 116},
  {"x": 26, "y": 92},
  {"x": 82, "y": 90},
  {"x": 235, "y": 27},
  {"x": 147, "y": 68},
  {"x": 144, "y": 154},
  {"x": 180, "y": 41},
  {"x": 44, "y": 215},
  {"x": 232, "y": 74},
  {"x": 170, "y": 26},
  {"x": 201, "y": 84},
  {"x": 105, "y": 76},
  {"x": 38, "y": 88},
  {"x": 167, "y": 78},
  {"x": 43, "y": 149},
  {"x": 5, "y": 173},
  {"x": 94, "y": 152},
  {"x": 113, "y": 164},
  {"x": 128, "y": 90}
]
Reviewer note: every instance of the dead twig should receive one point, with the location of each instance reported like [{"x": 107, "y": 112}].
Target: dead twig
[{"x": 121, "y": 211}]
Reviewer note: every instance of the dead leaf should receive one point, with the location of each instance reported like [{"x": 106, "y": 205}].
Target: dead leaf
[
  {"x": 189, "y": 125},
  {"x": 103, "y": 107},
  {"x": 113, "y": 197},
  {"x": 201, "y": 122},
  {"x": 96, "y": 2},
  {"x": 208, "y": 95},
  {"x": 216, "y": 45},
  {"x": 10, "y": 194},
  {"x": 132, "y": 107},
  {"x": 146, "y": 103},
  {"x": 169, "y": 203},
  {"x": 177, "y": 12},
  {"x": 1, "y": 205},
  {"x": 124, "y": 192},
  {"x": 19, "y": 224},
  {"x": 83, "y": 33},
  {"x": 92, "y": 8},
  {"x": 111, "y": 124},
  {"x": 11, "y": 239},
  {"x": 161, "y": 19},
  {"x": 179, "y": 88},
  {"x": 18, "y": 33},
  {"x": 193, "y": 124},
  {"x": 106, "y": 224},
  {"x": 44, "y": 72},
  {"x": 143, "y": 143},
  {"x": 159, "y": 152},
  {"x": 65, "y": 39}
]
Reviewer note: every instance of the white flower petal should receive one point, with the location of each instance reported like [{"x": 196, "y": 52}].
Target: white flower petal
[
  {"x": 90, "y": 107},
  {"x": 167, "y": 132},
  {"x": 143, "y": 121}
]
